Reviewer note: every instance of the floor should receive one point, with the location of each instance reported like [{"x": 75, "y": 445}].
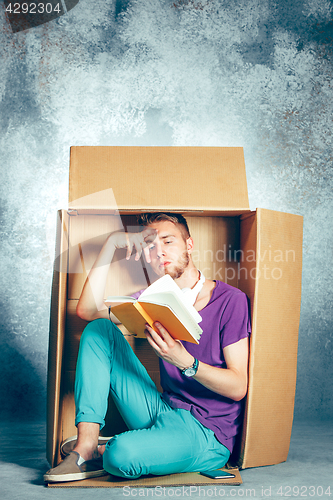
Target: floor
[{"x": 307, "y": 473}]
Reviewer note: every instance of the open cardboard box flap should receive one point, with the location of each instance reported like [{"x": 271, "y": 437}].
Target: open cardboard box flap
[
  {"x": 208, "y": 185},
  {"x": 158, "y": 178}
]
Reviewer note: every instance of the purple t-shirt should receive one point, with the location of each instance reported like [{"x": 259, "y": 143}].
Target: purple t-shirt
[{"x": 225, "y": 320}]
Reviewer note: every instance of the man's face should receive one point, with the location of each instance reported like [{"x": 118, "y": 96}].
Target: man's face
[{"x": 169, "y": 252}]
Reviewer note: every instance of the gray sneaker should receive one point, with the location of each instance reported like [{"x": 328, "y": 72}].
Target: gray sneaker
[
  {"x": 69, "y": 470},
  {"x": 69, "y": 444}
]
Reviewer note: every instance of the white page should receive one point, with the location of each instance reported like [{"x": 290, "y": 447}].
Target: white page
[
  {"x": 167, "y": 284},
  {"x": 119, "y": 298}
]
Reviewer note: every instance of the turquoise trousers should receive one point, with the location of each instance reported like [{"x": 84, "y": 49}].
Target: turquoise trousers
[{"x": 161, "y": 440}]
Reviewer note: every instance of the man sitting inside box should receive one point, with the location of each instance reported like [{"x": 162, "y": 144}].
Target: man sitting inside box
[{"x": 193, "y": 424}]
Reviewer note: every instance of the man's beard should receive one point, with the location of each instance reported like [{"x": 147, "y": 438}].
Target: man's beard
[{"x": 181, "y": 265}]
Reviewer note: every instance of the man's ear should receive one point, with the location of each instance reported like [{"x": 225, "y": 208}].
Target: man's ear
[{"x": 189, "y": 245}]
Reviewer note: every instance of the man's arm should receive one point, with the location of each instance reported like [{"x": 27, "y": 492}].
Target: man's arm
[
  {"x": 230, "y": 382},
  {"x": 91, "y": 303}
]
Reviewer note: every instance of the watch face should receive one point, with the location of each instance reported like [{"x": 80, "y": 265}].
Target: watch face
[{"x": 190, "y": 372}]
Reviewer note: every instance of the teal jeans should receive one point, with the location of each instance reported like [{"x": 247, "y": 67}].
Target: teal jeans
[{"x": 161, "y": 440}]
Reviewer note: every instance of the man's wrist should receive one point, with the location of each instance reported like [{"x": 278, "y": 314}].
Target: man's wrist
[
  {"x": 111, "y": 239},
  {"x": 191, "y": 370},
  {"x": 187, "y": 364}
]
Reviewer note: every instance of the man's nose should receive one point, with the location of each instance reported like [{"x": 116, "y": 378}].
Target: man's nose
[{"x": 159, "y": 249}]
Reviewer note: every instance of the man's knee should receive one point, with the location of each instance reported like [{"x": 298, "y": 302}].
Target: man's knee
[
  {"x": 121, "y": 458},
  {"x": 98, "y": 331}
]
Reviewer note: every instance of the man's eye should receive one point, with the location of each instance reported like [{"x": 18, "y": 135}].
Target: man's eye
[{"x": 151, "y": 247}]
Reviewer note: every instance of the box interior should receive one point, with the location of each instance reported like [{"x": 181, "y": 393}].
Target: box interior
[{"x": 216, "y": 243}]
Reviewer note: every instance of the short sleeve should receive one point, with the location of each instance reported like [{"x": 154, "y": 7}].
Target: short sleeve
[{"x": 235, "y": 320}]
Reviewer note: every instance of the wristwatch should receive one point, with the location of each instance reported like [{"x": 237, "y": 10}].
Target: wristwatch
[{"x": 191, "y": 370}]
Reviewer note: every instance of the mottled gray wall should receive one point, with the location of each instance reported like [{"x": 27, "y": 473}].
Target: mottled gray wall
[{"x": 251, "y": 73}]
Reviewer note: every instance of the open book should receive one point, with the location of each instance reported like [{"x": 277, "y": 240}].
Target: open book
[{"x": 163, "y": 301}]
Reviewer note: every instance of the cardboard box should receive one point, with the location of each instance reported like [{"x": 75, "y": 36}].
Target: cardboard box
[{"x": 259, "y": 252}]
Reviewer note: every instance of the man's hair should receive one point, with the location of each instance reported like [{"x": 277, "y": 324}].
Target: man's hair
[{"x": 146, "y": 219}]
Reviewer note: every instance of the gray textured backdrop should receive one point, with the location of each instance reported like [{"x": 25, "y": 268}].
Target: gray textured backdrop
[{"x": 251, "y": 73}]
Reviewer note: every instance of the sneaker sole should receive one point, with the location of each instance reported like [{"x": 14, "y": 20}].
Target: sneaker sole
[{"x": 77, "y": 476}]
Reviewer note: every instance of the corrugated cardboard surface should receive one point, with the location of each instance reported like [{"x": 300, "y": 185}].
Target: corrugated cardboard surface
[
  {"x": 57, "y": 336},
  {"x": 274, "y": 339},
  {"x": 151, "y": 178},
  {"x": 187, "y": 479},
  {"x": 246, "y": 282}
]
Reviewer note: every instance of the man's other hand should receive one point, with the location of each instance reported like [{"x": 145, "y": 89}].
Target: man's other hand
[{"x": 138, "y": 241}]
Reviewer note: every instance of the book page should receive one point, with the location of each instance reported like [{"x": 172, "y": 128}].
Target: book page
[
  {"x": 167, "y": 284},
  {"x": 119, "y": 299}
]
